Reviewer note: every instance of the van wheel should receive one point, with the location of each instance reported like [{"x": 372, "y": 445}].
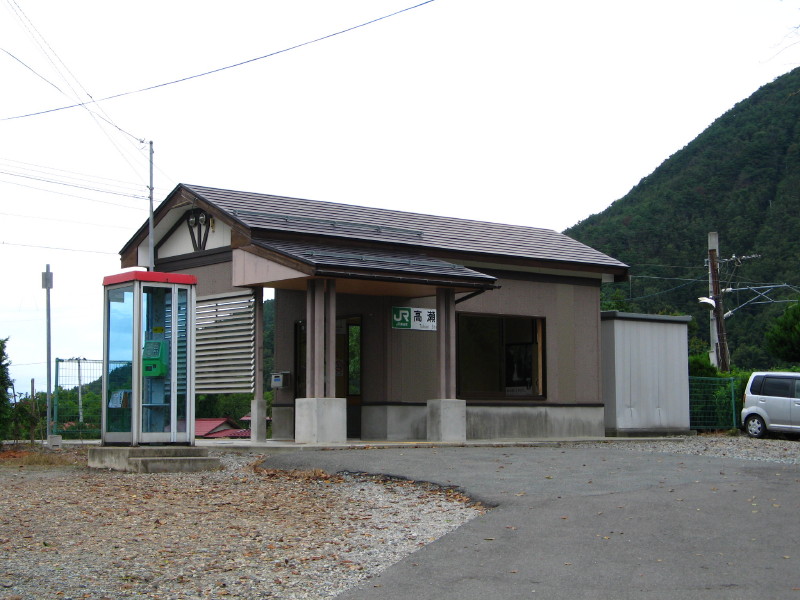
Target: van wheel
[{"x": 755, "y": 426}]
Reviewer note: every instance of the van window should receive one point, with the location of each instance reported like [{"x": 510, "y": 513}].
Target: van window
[
  {"x": 781, "y": 387},
  {"x": 755, "y": 387}
]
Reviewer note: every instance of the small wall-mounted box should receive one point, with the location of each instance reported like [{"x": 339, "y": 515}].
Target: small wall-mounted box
[{"x": 279, "y": 380}]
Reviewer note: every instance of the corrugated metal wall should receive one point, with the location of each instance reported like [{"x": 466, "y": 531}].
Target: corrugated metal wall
[{"x": 225, "y": 354}]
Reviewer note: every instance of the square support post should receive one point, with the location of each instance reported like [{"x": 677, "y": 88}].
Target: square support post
[
  {"x": 447, "y": 420},
  {"x": 446, "y": 342},
  {"x": 258, "y": 406},
  {"x": 315, "y": 344},
  {"x": 320, "y": 421},
  {"x": 330, "y": 338}
]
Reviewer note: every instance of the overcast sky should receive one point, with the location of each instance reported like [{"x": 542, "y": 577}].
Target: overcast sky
[{"x": 530, "y": 112}]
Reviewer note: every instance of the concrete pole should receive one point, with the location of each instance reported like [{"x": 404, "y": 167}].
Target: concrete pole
[
  {"x": 150, "y": 243},
  {"x": 713, "y": 248},
  {"x": 719, "y": 335}
]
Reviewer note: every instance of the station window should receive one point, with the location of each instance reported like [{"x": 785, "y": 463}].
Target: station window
[{"x": 500, "y": 357}]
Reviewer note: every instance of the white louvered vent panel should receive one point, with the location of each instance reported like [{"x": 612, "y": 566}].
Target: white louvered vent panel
[{"x": 225, "y": 350}]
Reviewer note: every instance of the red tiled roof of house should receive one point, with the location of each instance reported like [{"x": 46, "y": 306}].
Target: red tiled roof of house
[
  {"x": 203, "y": 427},
  {"x": 229, "y": 433}
]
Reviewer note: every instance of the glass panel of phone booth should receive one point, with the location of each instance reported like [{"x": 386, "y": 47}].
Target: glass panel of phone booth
[
  {"x": 156, "y": 359},
  {"x": 119, "y": 311},
  {"x": 182, "y": 322}
]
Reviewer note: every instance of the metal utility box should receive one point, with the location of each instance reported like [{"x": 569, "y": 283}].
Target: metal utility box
[
  {"x": 279, "y": 380},
  {"x": 148, "y": 358}
]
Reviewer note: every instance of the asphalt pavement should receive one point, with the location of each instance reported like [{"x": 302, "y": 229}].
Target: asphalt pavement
[{"x": 580, "y": 522}]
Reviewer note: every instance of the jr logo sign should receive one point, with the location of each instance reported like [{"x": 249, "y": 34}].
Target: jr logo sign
[
  {"x": 401, "y": 317},
  {"x": 405, "y": 317}
]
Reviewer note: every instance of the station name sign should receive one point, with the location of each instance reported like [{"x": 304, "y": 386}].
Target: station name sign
[{"x": 406, "y": 317}]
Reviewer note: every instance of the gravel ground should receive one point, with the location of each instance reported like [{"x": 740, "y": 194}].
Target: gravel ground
[
  {"x": 243, "y": 532},
  {"x": 781, "y": 450}
]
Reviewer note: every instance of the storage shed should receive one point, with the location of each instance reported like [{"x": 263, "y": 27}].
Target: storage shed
[{"x": 645, "y": 373}]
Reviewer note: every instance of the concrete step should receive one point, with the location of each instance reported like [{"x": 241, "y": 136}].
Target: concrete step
[
  {"x": 152, "y": 459},
  {"x": 174, "y": 464}
]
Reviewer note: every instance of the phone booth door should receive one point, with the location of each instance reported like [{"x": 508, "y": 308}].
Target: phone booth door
[
  {"x": 165, "y": 337},
  {"x": 148, "y": 377}
]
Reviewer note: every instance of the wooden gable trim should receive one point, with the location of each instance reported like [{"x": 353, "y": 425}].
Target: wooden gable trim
[{"x": 178, "y": 198}]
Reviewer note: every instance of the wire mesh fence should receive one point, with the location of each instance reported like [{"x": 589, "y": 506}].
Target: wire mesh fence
[
  {"x": 712, "y": 403},
  {"x": 77, "y": 398}
]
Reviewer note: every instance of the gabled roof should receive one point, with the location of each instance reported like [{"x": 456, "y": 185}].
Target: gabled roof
[
  {"x": 204, "y": 426},
  {"x": 229, "y": 433},
  {"x": 265, "y": 213}
]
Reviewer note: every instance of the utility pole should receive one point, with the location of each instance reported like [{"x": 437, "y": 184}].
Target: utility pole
[
  {"x": 47, "y": 284},
  {"x": 150, "y": 244},
  {"x": 719, "y": 337}
]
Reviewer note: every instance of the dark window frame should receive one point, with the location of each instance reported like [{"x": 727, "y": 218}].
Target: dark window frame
[{"x": 508, "y": 348}]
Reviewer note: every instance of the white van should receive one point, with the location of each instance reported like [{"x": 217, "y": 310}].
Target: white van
[{"x": 771, "y": 403}]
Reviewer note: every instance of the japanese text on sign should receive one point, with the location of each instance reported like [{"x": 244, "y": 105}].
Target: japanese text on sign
[{"x": 406, "y": 317}]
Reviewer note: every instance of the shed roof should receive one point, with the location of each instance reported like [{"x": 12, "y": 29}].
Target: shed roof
[
  {"x": 342, "y": 258},
  {"x": 264, "y": 212}
]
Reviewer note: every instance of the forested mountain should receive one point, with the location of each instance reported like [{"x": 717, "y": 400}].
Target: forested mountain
[{"x": 741, "y": 178}]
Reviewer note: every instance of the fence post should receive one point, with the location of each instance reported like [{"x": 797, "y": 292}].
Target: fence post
[
  {"x": 80, "y": 394},
  {"x": 54, "y": 429}
]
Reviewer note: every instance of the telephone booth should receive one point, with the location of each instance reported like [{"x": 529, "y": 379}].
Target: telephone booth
[{"x": 148, "y": 359}]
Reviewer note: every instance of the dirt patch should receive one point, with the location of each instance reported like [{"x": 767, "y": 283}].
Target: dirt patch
[{"x": 42, "y": 457}]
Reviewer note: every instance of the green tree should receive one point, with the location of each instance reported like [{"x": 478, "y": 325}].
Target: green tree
[
  {"x": 5, "y": 383},
  {"x": 783, "y": 337}
]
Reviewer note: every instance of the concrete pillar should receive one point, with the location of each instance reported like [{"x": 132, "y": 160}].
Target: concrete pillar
[
  {"x": 258, "y": 406},
  {"x": 320, "y": 421},
  {"x": 447, "y": 420}
]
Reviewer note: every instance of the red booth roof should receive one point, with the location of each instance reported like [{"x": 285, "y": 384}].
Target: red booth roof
[{"x": 149, "y": 276}]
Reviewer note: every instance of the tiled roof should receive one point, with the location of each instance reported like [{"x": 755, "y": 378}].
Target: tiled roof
[
  {"x": 229, "y": 433},
  {"x": 205, "y": 425},
  {"x": 395, "y": 262},
  {"x": 278, "y": 213}
]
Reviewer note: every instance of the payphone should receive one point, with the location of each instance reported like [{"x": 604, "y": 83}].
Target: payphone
[{"x": 154, "y": 358}]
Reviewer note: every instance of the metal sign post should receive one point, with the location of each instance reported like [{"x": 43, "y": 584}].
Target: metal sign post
[{"x": 47, "y": 285}]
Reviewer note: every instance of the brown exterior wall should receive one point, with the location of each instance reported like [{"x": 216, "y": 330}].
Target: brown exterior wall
[
  {"x": 572, "y": 332},
  {"x": 399, "y": 366},
  {"x": 211, "y": 279}
]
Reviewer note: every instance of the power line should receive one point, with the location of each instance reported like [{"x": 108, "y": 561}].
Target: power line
[
  {"x": 55, "y": 60},
  {"x": 104, "y": 225},
  {"x": 683, "y": 285},
  {"x": 73, "y": 195},
  {"x": 56, "y": 248},
  {"x": 32, "y": 70},
  {"x": 663, "y": 278},
  {"x": 75, "y": 185},
  {"x": 52, "y": 56},
  {"x": 213, "y": 71},
  {"x": 55, "y": 172},
  {"x": 668, "y": 266}
]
